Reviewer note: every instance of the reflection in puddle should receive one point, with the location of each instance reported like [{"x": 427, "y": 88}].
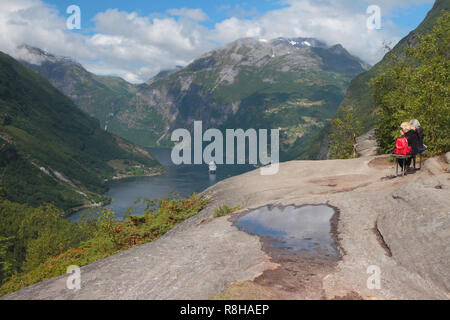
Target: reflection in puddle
[{"x": 294, "y": 229}]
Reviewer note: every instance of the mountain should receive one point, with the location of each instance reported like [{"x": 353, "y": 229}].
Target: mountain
[
  {"x": 103, "y": 97},
  {"x": 293, "y": 84},
  {"x": 163, "y": 74},
  {"x": 99, "y": 96},
  {"x": 359, "y": 94},
  {"x": 50, "y": 150}
]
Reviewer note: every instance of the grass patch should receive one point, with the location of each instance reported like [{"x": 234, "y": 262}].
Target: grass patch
[{"x": 225, "y": 210}]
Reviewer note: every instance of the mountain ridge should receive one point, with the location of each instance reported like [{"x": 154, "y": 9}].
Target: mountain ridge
[{"x": 295, "y": 84}]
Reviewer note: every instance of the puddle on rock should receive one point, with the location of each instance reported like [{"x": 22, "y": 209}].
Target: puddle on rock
[{"x": 305, "y": 229}]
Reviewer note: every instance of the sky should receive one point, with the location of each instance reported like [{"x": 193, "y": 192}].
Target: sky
[{"x": 135, "y": 39}]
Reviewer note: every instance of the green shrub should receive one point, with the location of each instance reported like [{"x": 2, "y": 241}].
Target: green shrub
[
  {"x": 225, "y": 210},
  {"x": 93, "y": 239},
  {"x": 344, "y": 130},
  {"x": 416, "y": 86}
]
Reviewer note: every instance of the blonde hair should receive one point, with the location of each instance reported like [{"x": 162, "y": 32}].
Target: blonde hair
[{"x": 406, "y": 126}]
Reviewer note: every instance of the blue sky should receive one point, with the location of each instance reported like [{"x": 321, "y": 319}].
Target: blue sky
[
  {"x": 406, "y": 18},
  {"x": 216, "y": 10},
  {"x": 135, "y": 39},
  {"x": 410, "y": 18}
]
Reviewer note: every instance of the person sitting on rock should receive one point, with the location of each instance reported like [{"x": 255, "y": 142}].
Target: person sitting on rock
[
  {"x": 402, "y": 149},
  {"x": 416, "y": 124},
  {"x": 413, "y": 141},
  {"x": 412, "y": 136}
]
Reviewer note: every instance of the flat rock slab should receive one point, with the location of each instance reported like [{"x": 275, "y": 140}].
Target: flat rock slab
[
  {"x": 193, "y": 262},
  {"x": 381, "y": 223}
]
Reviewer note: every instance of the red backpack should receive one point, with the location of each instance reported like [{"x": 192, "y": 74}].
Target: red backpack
[{"x": 401, "y": 147}]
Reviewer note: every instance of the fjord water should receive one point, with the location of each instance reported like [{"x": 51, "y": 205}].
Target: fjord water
[
  {"x": 304, "y": 229},
  {"x": 183, "y": 179}
]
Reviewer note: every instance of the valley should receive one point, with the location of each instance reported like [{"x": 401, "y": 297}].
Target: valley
[{"x": 238, "y": 86}]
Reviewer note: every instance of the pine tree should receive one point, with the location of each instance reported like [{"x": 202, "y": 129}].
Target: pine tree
[{"x": 344, "y": 130}]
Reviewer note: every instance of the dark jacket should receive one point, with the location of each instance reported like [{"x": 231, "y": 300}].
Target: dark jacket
[
  {"x": 419, "y": 131},
  {"x": 413, "y": 141}
]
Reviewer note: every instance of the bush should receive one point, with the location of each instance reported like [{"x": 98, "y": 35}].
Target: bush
[
  {"x": 31, "y": 235},
  {"x": 94, "y": 238},
  {"x": 225, "y": 210}
]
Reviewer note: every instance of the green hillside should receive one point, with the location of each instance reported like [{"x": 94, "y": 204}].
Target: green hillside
[
  {"x": 50, "y": 151},
  {"x": 108, "y": 99},
  {"x": 100, "y": 96},
  {"x": 417, "y": 85},
  {"x": 360, "y": 95}
]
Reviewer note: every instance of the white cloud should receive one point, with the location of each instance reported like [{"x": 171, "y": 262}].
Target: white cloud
[
  {"x": 389, "y": 5},
  {"x": 136, "y": 47},
  {"x": 32, "y": 22},
  {"x": 145, "y": 45}
]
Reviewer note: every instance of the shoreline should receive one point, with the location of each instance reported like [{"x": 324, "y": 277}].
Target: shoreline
[
  {"x": 122, "y": 177},
  {"x": 71, "y": 211}
]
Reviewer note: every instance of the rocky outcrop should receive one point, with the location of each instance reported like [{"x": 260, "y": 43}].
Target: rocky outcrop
[
  {"x": 399, "y": 225},
  {"x": 447, "y": 158},
  {"x": 366, "y": 144}
]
